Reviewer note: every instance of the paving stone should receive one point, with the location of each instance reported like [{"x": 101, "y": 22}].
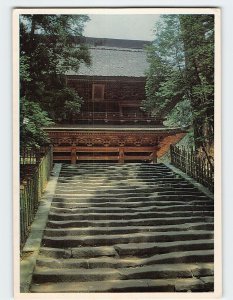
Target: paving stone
[
  {"x": 190, "y": 285},
  {"x": 208, "y": 282}
]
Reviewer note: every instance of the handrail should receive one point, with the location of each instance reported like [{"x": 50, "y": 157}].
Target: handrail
[{"x": 194, "y": 166}]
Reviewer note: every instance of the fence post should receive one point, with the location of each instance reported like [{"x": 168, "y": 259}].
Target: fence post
[{"x": 171, "y": 153}]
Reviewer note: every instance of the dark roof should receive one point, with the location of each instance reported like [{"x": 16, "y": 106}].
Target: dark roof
[
  {"x": 119, "y": 43},
  {"x": 120, "y": 58}
]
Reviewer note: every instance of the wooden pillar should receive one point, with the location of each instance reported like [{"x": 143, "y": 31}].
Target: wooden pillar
[
  {"x": 154, "y": 156},
  {"x": 121, "y": 155},
  {"x": 73, "y": 155}
]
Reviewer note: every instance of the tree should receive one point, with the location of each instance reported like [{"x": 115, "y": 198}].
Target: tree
[
  {"x": 199, "y": 75},
  {"x": 165, "y": 82},
  {"x": 32, "y": 117},
  {"x": 180, "y": 79},
  {"x": 50, "y": 45},
  {"x": 32, "y": 121}
]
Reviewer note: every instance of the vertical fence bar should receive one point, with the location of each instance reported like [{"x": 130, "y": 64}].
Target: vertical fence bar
[{"x": 194, "y": 166}]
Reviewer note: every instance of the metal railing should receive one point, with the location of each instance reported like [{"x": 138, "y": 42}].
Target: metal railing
[
  {"x": 35, "y": 167},
  {"x": 198, "y": 168}
]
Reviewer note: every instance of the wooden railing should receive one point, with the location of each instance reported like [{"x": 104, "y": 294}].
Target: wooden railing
[
  {"x": 115, "y": 116},
  {"x": 35, "y": 167},
  {"x": 198, "y": 168}
]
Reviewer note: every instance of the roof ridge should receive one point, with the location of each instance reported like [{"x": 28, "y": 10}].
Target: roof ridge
[{"x": 117, "y": 49}]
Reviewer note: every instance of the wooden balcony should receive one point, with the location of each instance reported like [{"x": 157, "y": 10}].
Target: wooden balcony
[{"x": 116, "y": 117}]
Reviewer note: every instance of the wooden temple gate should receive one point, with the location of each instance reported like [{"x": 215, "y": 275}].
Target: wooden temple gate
[{"x": 111, "y": 125}]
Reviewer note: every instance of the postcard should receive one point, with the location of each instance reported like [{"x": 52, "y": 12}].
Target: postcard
[{"x": 117, "y": 146}]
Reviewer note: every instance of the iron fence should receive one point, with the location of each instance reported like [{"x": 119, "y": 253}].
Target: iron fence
[
  {"x": 198, "y": 168},
  {"x": 35, "y": 167}
]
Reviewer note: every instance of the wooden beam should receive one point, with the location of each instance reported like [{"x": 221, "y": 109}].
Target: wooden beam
[
  {"x": 97, "y": 149},
  {"x": 62, "y": 148},
  {"x": 104, "y": 157},
  {"x": 102, "y": 149},
  {"x": 137, "y": 157},
  {"x": 139, "y": 149},
  {"x": 60, "y": 158}
]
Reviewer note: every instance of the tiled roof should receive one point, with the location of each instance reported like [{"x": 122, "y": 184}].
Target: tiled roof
[
  {"x": 114, "y": 61},
  {"x": 109, "y": 42}
]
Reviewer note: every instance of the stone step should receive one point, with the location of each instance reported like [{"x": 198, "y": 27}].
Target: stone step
[
  {"x": 156, "y": 260},
  {"x": 120, "y": 178},
  {"x": 131, "y": 222},
  {"x": 122, "y": 216},
  {"x": 80, "y": 252},
  {"x": 128, "y": 198},
  {"x": 151, "y": 208},
  {"x": 114, "y": 178},
  {"x": 118, "y": 168},
  {"x": 108, "y": 240},
  {"x": 133, "y": 173},
  {"x": 43, "y": 274},
  {"x": 207, "y": 280},
  {"x": 72, "y": 231},
  {"x": 143, "y": 185},
  {"x": 118, "y": 172},
  {"x": 130, "y": 189},
  {"x": 147, "y": 249},
  {"x": 130, "y": 204},
  {"x": 135, "y": 182},
  {"x": 108, "y": 166},
  {"x": 204, "y": 284},
  {"x": 123, "y": 250}
]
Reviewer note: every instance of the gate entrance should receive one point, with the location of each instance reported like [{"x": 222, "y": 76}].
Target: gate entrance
[{"x": 104, "y": 144}]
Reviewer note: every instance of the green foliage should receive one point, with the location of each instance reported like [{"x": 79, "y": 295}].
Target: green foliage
[
  {"x": 65, "y": 106},
  {"x": 199, "y": 75},
  {"x": 24, "y": 69},
  {"x": 32, "y": 119},
  {"x": 50, "y": 45},
  {"x": 165, "y": 82},
  {"x": 181, "y": 115},
  {"x": 180, "y": 80}
]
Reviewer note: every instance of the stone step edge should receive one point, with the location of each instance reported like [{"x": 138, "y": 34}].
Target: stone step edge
[
  {"x": 111, "y": 250},
  {"x": 137, "y": 285}
]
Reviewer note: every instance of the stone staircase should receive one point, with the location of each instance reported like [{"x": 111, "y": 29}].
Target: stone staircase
[{"x": 126, "y": 228}]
